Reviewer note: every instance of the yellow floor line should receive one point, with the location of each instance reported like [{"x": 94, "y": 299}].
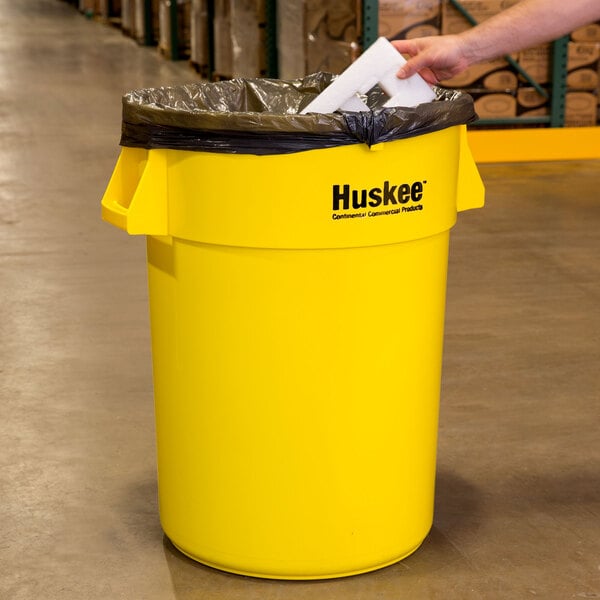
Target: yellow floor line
[{"x": 523, "y": 145}]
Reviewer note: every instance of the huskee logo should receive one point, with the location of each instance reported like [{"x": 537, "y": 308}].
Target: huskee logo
[{"x": 400, "y": 198}]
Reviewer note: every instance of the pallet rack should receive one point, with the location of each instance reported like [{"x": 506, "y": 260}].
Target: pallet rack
[
  {"x": 370, "y": 32},
  {"x": 556, "y": 118}
]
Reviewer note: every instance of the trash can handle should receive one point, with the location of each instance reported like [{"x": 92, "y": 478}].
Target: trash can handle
[
  {"x": 470, "y": 192},
  {"x": 136, "y": 196}
]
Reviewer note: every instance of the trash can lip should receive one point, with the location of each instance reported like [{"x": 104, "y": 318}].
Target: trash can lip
[
  {"x": 241, "y": 115},
  {"x": 274, "y": 97}
]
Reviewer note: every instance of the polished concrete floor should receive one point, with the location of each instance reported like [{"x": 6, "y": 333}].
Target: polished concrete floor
[{"x": 518, "y": 487}]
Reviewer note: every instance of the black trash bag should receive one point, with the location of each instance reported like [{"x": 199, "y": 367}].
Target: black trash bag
[{"x": 260, "y": 116}]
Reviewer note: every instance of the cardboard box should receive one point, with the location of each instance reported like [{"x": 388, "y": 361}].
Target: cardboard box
[
  {"x": 315, "y": 35},
  {"x": 493, "y": 75},
  {"x": 581, "y": 109},
  {"x": 127, "y": 16},
  {"x": 582, "y": 64},
  {"x": 494, "y": 105},
  {"x": 291, "y": 39},
  {"x": 588, "y": 33},
  {"x": 583, "y": 54},
  {"x": 110, "y": 10},
  {"x": 529, "y": 97},
  {"x": 183, "y": 28},
  {"x": 138, "y": 30},
  {"x": 405, "y": 19},
  {"x": 454, "y": 22},
  {"x": 239, "y": 38},
  {"x": 537, "y": 61},
  {"x": 479, "y": 75},
  {"x": 199, "y": 37},
  {"x": 583, "y": 79},
  {"x": 542, "y": 111},
  {"x": 530, "y": 103},
  {"x": 332, "y": 33}
]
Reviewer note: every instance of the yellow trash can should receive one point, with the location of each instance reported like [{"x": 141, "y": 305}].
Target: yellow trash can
[{"x": 297, "y": 310}]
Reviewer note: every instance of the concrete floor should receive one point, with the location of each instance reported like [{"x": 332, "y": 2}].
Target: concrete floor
[{"x": 518, "y": 492}]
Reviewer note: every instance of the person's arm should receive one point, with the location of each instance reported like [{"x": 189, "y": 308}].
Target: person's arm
[{"x": 523, "y": 25}]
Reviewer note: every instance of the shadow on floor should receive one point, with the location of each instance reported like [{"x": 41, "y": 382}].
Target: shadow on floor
[{"x": 455, "y": 514}]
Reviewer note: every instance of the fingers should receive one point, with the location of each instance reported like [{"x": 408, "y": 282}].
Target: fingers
[
  {"x": 406, "y": 70},
  {"x": 429, "y": 76},
  {"x": 415, "y": 63},
  {"x": 405, "y": 47}
]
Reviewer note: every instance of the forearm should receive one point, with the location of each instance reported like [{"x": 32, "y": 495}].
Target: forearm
[{"x": 526, "y": 24}]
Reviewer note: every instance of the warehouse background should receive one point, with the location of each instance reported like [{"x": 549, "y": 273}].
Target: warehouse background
[
  {"x": 292, "y": 38},
  {"x": 517, "y": 502}
]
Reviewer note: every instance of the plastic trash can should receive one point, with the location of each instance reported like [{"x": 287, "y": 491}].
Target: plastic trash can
[{"x": 297, "y": 311}]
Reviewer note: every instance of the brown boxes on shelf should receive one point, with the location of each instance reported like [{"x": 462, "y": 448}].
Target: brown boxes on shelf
[
  {"x": 530, "y": 103},
  {"x": 493, "y": 75},
  {"x": 494, "y": 105},
  {"x": 199, "y": 37},
  {"x": 183, "y": 28},
  {"x": 405, "y": 19},
  {"x": 314, "y": 35},
  {"x": 291, "y": 39},
  {"x": 581, "y": 109},
  {"x": 454, "y": 22},
  {"x": 127, "y": 16},
  {"x": 583, "y": 63},
  {"x": 537, "y": 61},
  {"x": 110, "y": 10},
  {"x": 239, "y": 38},
  {"x": 582, "y": 83},
  {"x": 587, "y": 33},
  {"x": 139, "y": 25},
  {"x": 332, "y": 33},
  {"x": 583, "y": 79}
]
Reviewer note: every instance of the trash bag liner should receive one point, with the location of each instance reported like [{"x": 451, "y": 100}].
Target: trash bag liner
[{"x": 260, "y": 116}]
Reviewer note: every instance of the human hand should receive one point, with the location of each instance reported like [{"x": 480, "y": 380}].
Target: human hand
[{"x": 435, "y": 58}]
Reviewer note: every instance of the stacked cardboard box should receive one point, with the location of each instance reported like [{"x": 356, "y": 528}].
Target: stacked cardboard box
[
  {"x": 183, "y": 28},
  {"x": 327, "y": 40},
  {"x": 239, "y": 38},
  {"x": 291, "y": 39},
  {"x": 537, "y": 62},
  {"x": 407, "y": 19},
  {"x": 492, "y": 84},
  {"x": 332, "y": 32},
  {"x": 530, "y": 103},
  {"x": 499, "y": 92},
  {"x": 127, "y": 16},
  {"x": 110, "y": 10},
  {"x": 199, "y": 37},
  {"x": 583, "y": 65},
  {"x": 581, "y": 101},
  {"x": 317, "y": 35},
  {"x": 146, "y": 25}
]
